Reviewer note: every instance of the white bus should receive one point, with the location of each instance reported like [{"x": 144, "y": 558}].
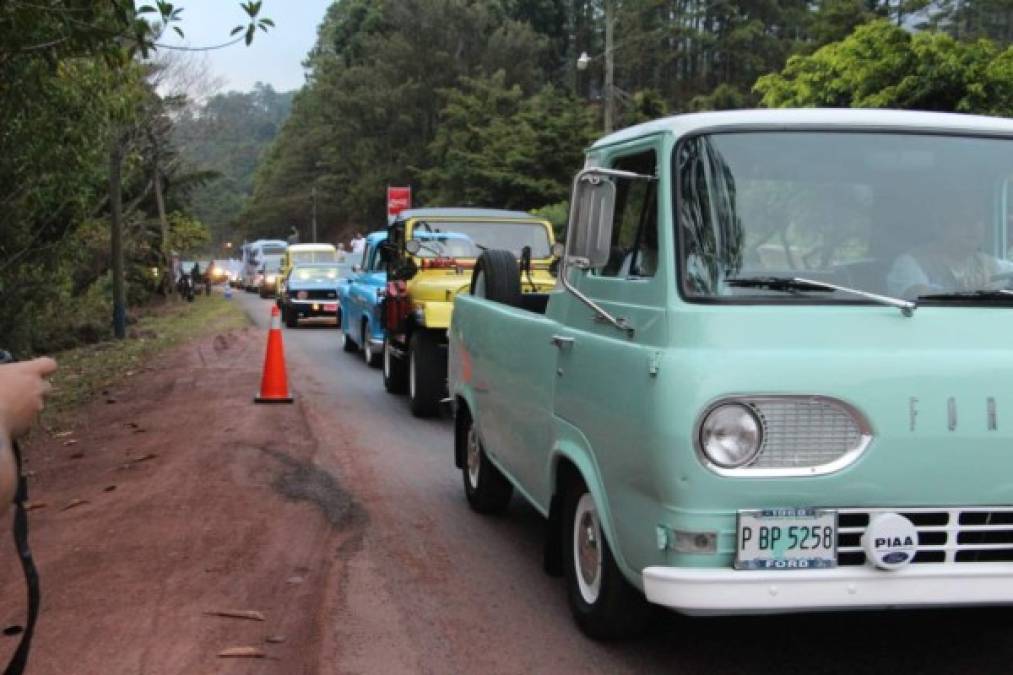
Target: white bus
[{"x": 256, "y": 255}]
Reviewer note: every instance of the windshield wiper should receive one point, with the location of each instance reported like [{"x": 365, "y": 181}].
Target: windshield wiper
[
  {"x": 798, "y": 284},
  {"x": 983, "y": 294}
]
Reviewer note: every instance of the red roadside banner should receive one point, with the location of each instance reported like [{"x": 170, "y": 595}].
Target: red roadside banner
[{"x": 398, "y": 200}]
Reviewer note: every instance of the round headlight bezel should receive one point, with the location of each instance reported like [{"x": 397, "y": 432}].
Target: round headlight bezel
[{"x": 703, "y": 434}]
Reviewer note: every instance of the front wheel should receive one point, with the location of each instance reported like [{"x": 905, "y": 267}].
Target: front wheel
[
  {"x": 487, "y": 490},
  {"x": 427, "y": 373},
  {"x": 605, "y": 605},
  {"x": 395, "y": 375}
]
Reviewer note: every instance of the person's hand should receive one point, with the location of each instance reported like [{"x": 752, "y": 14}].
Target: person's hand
[{"x": 22, "y": 389}]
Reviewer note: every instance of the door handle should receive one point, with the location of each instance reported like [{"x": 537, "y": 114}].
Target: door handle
[{"x": 562, "y": 341}]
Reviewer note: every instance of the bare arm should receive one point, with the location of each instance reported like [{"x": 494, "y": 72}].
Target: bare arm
[{"x": 22, "y": 389}]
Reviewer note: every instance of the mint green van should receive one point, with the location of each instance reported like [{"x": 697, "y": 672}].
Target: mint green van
[{"x": 775, "y": 373}]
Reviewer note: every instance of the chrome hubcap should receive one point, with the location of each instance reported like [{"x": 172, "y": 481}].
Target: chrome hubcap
[
  {"x": 587, "y": 552},
  {"x": 474, "y": 458},
  {"x": 480, "y": 285}
]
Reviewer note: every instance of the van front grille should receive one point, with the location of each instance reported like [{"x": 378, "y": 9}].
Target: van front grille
[{"x": 961, "y": 535}]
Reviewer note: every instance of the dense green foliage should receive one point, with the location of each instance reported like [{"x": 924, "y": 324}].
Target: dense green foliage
[
  {"x": 883, "y": 66},
  {"x": 481, "y": 103},
  {"x": 471, "y": 102},
  {"x": 75, "y": 86}
]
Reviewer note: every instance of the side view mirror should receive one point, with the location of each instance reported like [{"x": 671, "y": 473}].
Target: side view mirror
[
  {"x": 592, "y": 208},
  {"x": 589, "y": 235},
  {"x": 413, "y": 246}
]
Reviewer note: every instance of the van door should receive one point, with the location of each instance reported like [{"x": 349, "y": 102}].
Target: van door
[{"x": 604, "y": 375}]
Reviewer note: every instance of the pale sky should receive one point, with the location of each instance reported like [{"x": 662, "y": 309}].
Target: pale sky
[{"x": 274, "y": 57}]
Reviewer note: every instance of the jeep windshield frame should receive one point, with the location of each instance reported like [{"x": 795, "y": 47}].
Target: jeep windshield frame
[
  {"x": 511, "y": 235},
  {"x": 846, "y": 206}
]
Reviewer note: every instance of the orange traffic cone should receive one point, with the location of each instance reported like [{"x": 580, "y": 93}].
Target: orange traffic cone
[{"x": 274, "y": 385}]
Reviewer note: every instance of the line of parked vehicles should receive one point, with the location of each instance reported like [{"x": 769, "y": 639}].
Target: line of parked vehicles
[{"x": 766, "y": 373}]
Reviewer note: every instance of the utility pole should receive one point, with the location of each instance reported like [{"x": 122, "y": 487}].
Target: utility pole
[
  {"x": 610, "y": 93},
  {"x": 116, "y": 236},
  {"x": 315, "y": 214}
]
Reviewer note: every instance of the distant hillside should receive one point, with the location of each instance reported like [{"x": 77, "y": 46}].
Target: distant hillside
[{"x": 226, "y": 137}]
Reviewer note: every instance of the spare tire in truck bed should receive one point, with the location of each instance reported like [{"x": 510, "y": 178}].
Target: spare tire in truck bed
[{"x": 497, "y": 277}]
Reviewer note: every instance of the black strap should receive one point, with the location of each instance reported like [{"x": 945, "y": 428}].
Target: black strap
[{"x": 20, "y": 659}]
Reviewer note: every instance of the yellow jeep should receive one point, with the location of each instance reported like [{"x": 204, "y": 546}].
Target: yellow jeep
[{"x": 430, "y": 256}]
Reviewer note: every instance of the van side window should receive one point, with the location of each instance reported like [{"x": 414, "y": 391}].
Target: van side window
[
  {"x": 634, "y": 251},
  {"x": 366, "y": 258}
]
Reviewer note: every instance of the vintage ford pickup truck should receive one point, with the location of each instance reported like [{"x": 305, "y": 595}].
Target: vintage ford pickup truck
[
  {"x": 429, "y": 256},
  {"x": 776, "y": 374},
  {"x": 361, "y": 301}
]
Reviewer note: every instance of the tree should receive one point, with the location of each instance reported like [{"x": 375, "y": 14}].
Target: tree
[
  {"x": 72, "y": 160},
  {"x": 378, "y": 79},
  {"x": 883, "y": 66},
  {"x": 496, "y": 148}
]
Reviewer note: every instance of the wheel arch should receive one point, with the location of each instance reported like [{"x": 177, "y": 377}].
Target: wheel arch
[{"x": 571, "y": 459}]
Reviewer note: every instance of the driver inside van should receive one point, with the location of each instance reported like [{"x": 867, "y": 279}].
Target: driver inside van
[{"x": 953, "y": 260}]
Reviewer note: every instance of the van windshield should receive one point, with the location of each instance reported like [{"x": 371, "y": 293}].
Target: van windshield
[
  {"x": 511, "y": 237},
  {"x": 272, "y": 249},
  {"x": 904, "y": 215}
]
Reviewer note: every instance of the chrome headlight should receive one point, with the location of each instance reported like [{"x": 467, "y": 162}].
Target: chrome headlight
[
  {"x": 798, "y": 435},
  {"x": 730, "y": 435}
]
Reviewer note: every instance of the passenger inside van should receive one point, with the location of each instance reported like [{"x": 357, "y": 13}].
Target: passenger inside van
[{"x": 953, "y": 259}]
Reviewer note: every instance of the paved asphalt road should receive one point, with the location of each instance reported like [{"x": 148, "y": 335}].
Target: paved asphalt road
[{"x": 433, "y": 587}]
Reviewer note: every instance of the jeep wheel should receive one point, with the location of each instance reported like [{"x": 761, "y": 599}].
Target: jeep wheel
[
  {"x": 484, "y": 486},
  {"x": 497, "y": 278},
  {"x": 291, "y": 317},
  {"x": 347, "y": 344},
  {"x": 370, "y": 354},
  {"x": 604, "y": 604},
  {"x": 427, "y": 373},
  {"x": 395, "y": 376}
]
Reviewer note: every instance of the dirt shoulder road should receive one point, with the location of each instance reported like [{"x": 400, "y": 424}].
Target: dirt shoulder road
[{"x": 172, "y": 497}]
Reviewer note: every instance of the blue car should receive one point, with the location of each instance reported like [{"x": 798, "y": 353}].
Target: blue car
[
  {"x": 311, "y": 290},
  {"x": 361, "y": 298}
]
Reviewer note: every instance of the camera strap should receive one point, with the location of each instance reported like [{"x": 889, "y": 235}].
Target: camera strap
[{"x": 19, "y": 660}]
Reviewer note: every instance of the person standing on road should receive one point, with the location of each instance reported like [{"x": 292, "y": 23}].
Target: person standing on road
[
  {"x": 23, "y": 386},
  {"x": 358, "y": 243},
  {"x": 195, "y": 276}
]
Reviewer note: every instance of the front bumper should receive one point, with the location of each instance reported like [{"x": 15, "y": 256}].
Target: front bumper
[
  {"x": 730, "y": 591},
  {"x": 314, "y": 307}
]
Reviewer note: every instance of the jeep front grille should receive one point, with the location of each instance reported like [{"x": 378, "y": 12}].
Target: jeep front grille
[{"x": 959, "y": 535}]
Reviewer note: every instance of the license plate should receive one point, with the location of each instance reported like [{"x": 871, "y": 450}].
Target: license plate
[
  {"x": 331, "y": 307},
  {"x": 786, "y": 539}
]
